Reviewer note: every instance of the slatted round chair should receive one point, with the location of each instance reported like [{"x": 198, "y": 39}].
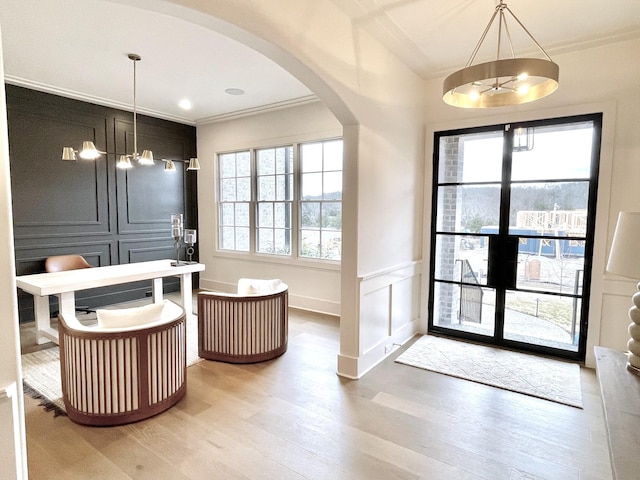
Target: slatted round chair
[
  {"x": 129, "y": 367},
  {"x": 245, "y": 327}
]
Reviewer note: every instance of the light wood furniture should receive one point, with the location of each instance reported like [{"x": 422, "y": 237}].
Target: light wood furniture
[
  {"x": 122, "y": 375},
  {"x": 65, "y": 284},
  {"x": 243, "y": 328},
  {"x": 621, "y": 402}
]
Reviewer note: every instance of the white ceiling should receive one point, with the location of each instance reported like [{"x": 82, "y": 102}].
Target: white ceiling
[{"x": 78, "y": 48}]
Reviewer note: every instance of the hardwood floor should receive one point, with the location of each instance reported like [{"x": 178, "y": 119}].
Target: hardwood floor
[{"x": 294, "y": 418}]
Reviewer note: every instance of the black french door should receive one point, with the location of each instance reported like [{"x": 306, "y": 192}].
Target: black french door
[{"x": 512, "y": 233}]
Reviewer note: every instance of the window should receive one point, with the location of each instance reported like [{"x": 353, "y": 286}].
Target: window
[
  {"x": 235, "y": 200},
  {"x": 275, "y": 196},
  {"x": 284, "y": 200},
  {"x": 321, "y": 200}
]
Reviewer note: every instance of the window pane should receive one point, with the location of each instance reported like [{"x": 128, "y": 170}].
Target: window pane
[
  {"x": 243, "y": 164},
  {"x": 553, "y": 206},
  {"x": 282, "y": 215},
  {"x": 470, "y": 158},
  {"x": 243, "y": 193},
  {"x": 461, "y": 258},
  {"x": 283, "y": 242},
  {"x": 310, "y": 215},
  {"x": 553, "y": 152},
  {"x": 310, "y": 244},
  {"x": 242, "y": 214},
  {"x": 332, "y": 215},
  {"x": 558, "y": 268},
  {"x": 265, "y": 215},
  {"x": 333, "y": 155},
  {"x": 226, "y": 214},
  {"x": 227, "y": 238},
  {"x": 228, "y": 190},
  {"x": 284, "y": 160},
  {"x": 242, "y": 239},
  {"x": 265, "y": 240},
  {"x": 266, "y": 188},
  {"x": 227, "y": 165},
  {"x": 332, "y": 186},
  {"x": 559, "y": 315},
  {"x": 331, "y": 245},
  {"x": 311, "y": 157},
  {"x": 311, "y": 186},
  {"x": 467, "y": 308},
  {"x": 266, "y": 162},
  {"x": 467, "y": 208}
]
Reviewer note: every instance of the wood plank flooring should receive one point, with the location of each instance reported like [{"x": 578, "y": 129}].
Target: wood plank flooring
[{"x": 294, "y": 418}]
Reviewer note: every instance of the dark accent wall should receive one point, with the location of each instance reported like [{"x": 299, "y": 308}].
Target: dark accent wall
[{"x": 108, "y": 215}]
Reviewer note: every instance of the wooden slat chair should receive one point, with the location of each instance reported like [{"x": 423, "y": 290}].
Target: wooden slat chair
[
  {"x": 245, "y": 327},
  {"x": 119, "y": 372}
]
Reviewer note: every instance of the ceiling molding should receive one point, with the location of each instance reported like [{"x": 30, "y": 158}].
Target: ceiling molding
[
  {"x": 295, "y": 102},
  {"x": 63, "y": 92}
]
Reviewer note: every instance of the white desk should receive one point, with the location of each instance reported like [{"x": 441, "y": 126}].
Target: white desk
[{"x": 65, "y": 284}]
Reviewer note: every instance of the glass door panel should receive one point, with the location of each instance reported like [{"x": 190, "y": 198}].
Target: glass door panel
[
  {"x": 467, "y": 208},
  {"x": 560, "y": 271},
  {"x": 552, "y": 152},
  {"x": 461, "y": 258},
  {"x": 542, "y": 319},
  {"x": 465, "y": 308}
]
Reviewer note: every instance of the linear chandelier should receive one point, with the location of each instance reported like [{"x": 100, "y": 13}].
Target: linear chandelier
[
  {"x": 502, "y": 82},
  {"x": 90, "y": 152}
]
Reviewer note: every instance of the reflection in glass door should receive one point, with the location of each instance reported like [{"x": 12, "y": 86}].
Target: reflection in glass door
[{"x": 512, "y": 233}]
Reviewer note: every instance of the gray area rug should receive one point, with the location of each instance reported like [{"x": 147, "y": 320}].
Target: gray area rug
[
  {"x": 41, "y": 371},
  {"x": 540, "y": 377}
]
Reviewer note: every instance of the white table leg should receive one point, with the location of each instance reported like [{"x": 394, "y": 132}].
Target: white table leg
[
  {"x": 186, "y": 291},
  {"x": 43, "y": 322},
  {"x": 156, "y": 290}
]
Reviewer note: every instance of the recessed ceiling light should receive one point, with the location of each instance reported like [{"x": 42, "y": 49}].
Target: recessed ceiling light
[
  {"x": 234, "y": 91},
  {"x": 185, "y": 104}
]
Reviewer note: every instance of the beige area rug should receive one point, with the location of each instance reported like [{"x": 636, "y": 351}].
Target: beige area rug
[
  {"x": 41, "y": 371},
  {"x": 540, "y": 377}
]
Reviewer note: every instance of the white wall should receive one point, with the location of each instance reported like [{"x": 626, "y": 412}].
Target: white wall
[
  {"x": 13, "y": 454},
  {"x": 601, "y": 79},
  {"x": 312, "y": 285},
  {"x": 379, "y": 103}
]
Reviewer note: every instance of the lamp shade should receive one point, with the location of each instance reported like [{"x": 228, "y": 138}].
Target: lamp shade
[
  {"x": 89, "y": 151},
  {"x": 68, "y": 154},
  {"x": 193, "y": 164},
  {"x": 624, "y": 258},
  {"x": 124, "y": 162}
]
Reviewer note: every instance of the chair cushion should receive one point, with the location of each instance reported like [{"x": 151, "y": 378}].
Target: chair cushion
[
  {"x": 254, "y": 286},
  {"x": 129, "y": 317}
]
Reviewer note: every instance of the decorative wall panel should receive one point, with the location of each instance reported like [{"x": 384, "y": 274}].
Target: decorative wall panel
[{"x": 108, "y": 215}]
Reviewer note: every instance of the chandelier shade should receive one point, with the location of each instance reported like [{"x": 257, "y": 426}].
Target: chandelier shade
[
  {"x": 90, "y": 152},
  {"x": 501, "y": 82},
  {"x": 194, "y": 164}
]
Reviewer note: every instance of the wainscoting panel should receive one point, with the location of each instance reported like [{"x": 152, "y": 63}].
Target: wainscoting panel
[{"x": 389, "y": 312}]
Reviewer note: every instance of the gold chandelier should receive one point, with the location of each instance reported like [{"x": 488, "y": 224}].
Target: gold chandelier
[
  {"x": 502, "y": 82},
  {"x": 90, "y": 152}
]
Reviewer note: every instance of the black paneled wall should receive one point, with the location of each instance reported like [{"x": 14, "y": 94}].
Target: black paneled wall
[{"x": 108, "y": 215}]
